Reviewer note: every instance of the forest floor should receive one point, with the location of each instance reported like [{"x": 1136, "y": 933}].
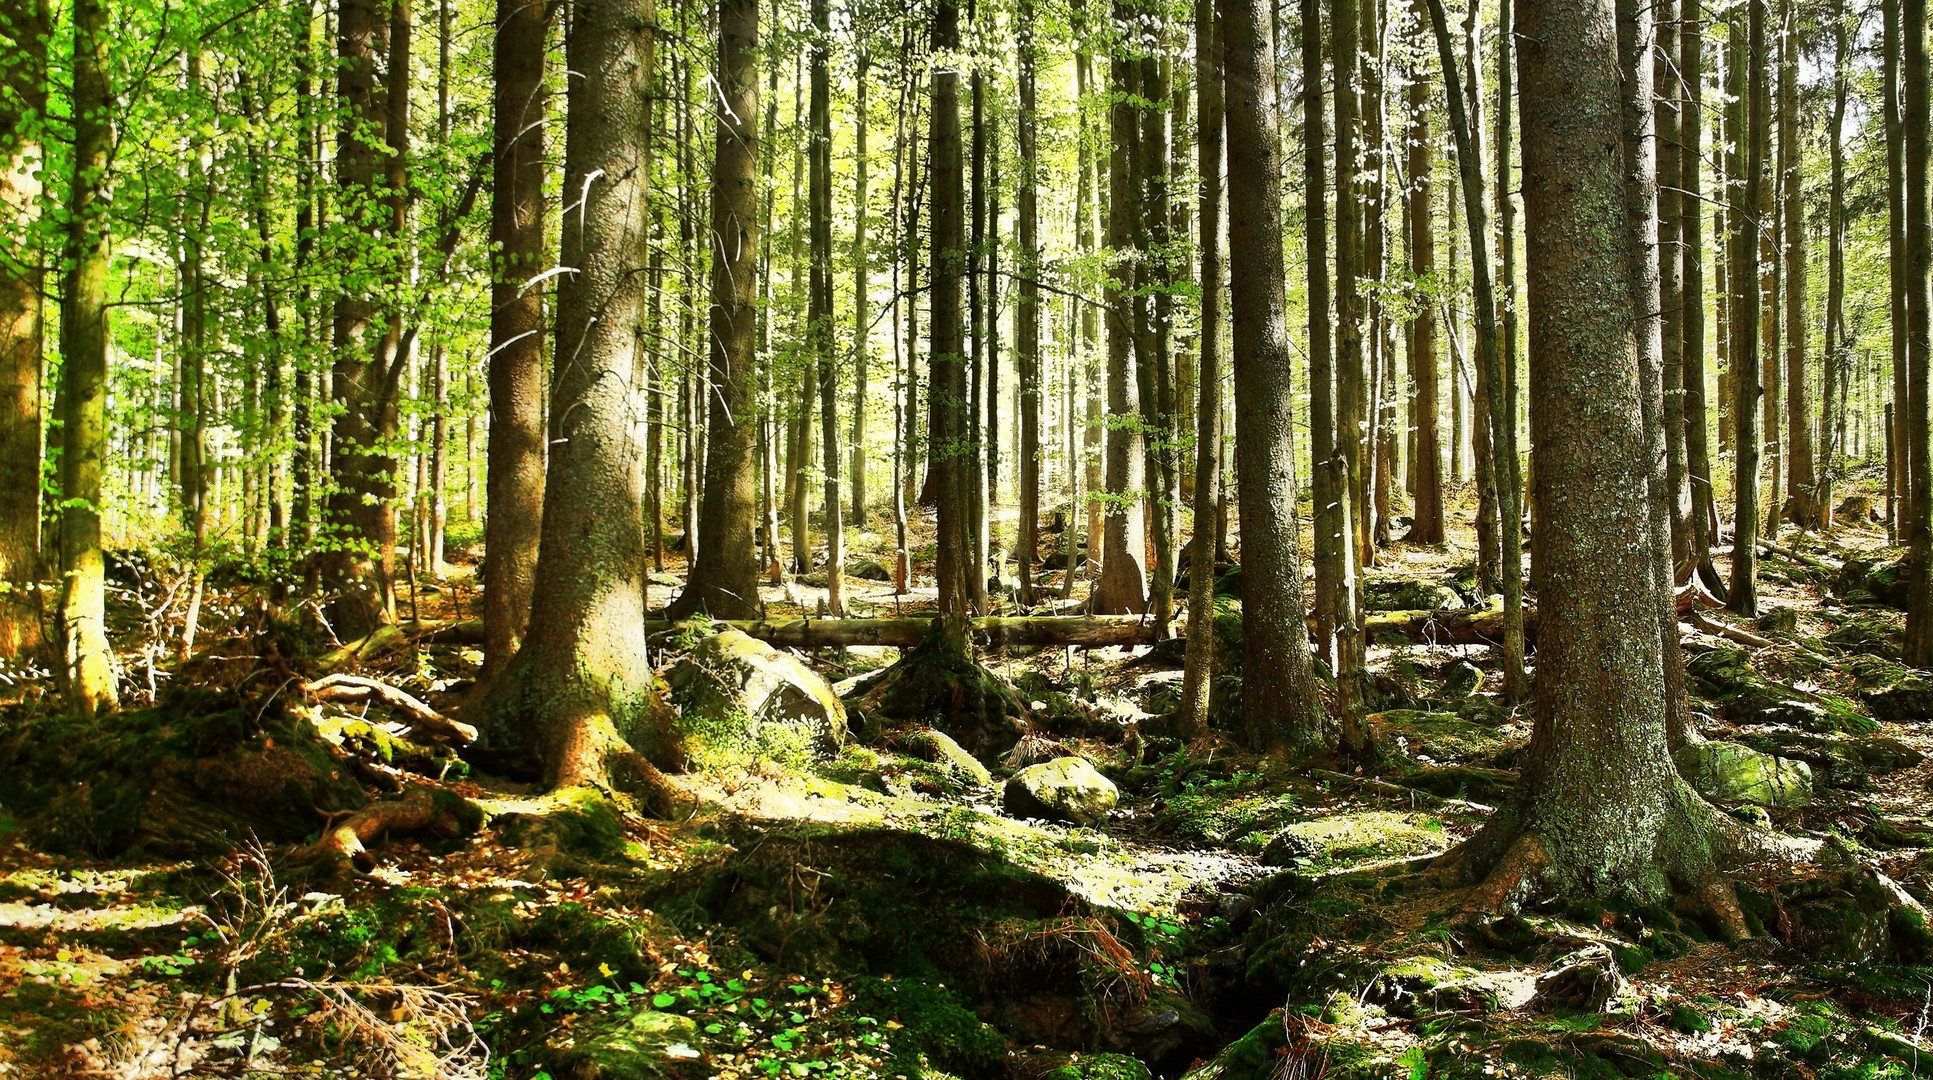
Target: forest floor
[{"x": 867, "y": 913}]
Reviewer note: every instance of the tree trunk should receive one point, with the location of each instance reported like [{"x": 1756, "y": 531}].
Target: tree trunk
[
  {"x": 1426, "y": 462},
  {"x": 1915, "y": 122},
  {"x": 949, "y": 456},
  {"x": 820, "y": 311},
  {"x": 1123, "y": 588},
  {"x": 1334, "y": 535},
  {"x": 1601, "y": 809},
  {"x": 1800, "y": 508},
  {"x": 22, "y": 108},
  {"x": 1670, "y": 105},
  {"x": 1691, "y": 217},
  {"x": 88, "y": 668},
  {"x": 1743, "y": 270},
  {"x": 1832, "y": 404},
  {"x": 1198, "y": 668},
  {"x": 724, "y": 579},
  {"x": 1155, "y": 368},
  {"x": 582, "y": 683},
  {"x": 1345, "y": 459},
  {"x": 1093, "y": 423},
  {"x": 1278, "y": 693},
  {"x": 1026, "y": 317},
  {"x": 1900, "y": 507},
  {"x": 861, "y": 297},
  {"x": 514, "y": 477}
]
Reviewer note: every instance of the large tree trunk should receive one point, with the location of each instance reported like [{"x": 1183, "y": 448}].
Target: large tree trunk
[
  {"x": 1915, "y": 120},
  {"x": 819, "y": 303},
  {"x": 1600, "y": 809},
  {"x": 583, "y": 683},
  {"x": 1743, "y": 271},
  {"x": 1279, "y": 705},
  {"x": 87, "y": 669},
  {"x": 1832, "y": 405},
  {"x": 948, "y": 454},
  {"x": 514, "y": 479},
  {"x": 1026, "y": 317},
  {"x": 1123, "y": 588},
  {"x": 1426, "y": 463},
  {"x": 1198, "y": 668},
  {"x": 724, "y": 579},
  {"x": 23, "y": 103}
]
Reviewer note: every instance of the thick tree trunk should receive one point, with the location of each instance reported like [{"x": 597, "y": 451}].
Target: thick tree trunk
[
  {"x": 1426, "y": 463},
  {"x": 1198, "y": 669},
  {"x": 87, "y": 668},
  {"x": 1916, "y": 120},
  {"x": 582, "y": 686},
  {"x": 1123, "y": 588},
  {"x": 1279, "y": 706},
  {"x": 724, "y": 579},
  {"x": 1743, "y": 271},
  {"x": 514, "y": 478},
  {"x": 23, "y": 104},
  {"x": 1600, "y": 810},
  {"x": 949, "y": 456}
]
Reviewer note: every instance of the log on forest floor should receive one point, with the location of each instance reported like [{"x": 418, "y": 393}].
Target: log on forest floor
[
  {"x": 355, "y": 688},
  {"x": 1083, "y": 632}
]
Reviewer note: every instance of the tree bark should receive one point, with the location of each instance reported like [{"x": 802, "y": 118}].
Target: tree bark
[
  {"x": 1691, "y": 216},
  {"x": 1669, "y": 107},
  {"x": 1900, "y": 506},
  {"x": 23, "y": 107},
  {"x": 861, "y": 296},
  {"x": 1801, "y": 508},
  {"x": 1026, "y": 317},
  {"x": 948, "y": 455},
  {"x": 514, "y": 477},
  {"x": 820, "y": 311},
  {"x": 1123, "y": 588},
  {"x": 1345, "y": 458},
  {"x": 1198, "y": 668},
  {"x": 88, "y": 668},
  {"x": 1743, "y": 271},
  {"x": 1915, "y": 122},
  {"x": 1426, "y": 463},
  {"x": 1831, "y": 405},
  {"x": 1279, "y": 705}
]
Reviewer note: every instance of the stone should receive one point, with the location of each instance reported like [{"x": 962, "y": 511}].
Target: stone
[
  {"x": 1855, "y": 510},
  {"x": 940, "y": 749},
  {"x": 1855, "y": 916},
  {"x": 870, "y": 570},
  {"x": 1439, "y": 738},
  {"x": 1407, "y": 594},
  {"x": 1422, "y": 985},
  {"x": 1363, "y": 834},
  {"x": 1896, "y": 694},
  {"x": 1065, "y": 789},
  {"x": 1734, "y": 773},
  {"x": 1725, "y": 676},
  {"x": 732, "y": 673},
  {"x": 1462, "y": 680},
  {"x": 649, "y": 1045},
  {"x": 1779, "y": 620},
  {"x": 1078, "y": 1066},
  {"x": 1586, "y": 981},
  {"x": 1837, "y": 761},
  {"x": 1874, "y": 633}
]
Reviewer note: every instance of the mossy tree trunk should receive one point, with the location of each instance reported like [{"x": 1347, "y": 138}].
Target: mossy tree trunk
[
  {"x": 948, "y": 455},
  {"x": 1278, "y": 690},
  {"x": 23, "y": 74},
  {"x": 87, "y": 668},
  {"x": 819, "y": 303},
  {"x": 1123, "y": 587},
  {"x": 1427, "y": 461},
  {"x": 582, "y": 680},
  {"x": 1199, "y": 667}
]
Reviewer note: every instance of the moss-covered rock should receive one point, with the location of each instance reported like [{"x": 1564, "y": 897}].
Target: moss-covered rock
[
  {"x": 1096, "y": 1067},
  {"x": 1735, "y": 773},
  {"x": 1838, "y": 761},
  {"x": 939, "y": 749},
  {"x": 1875, "y": 633},
  {"x": 1439, "y": 738},
  {"x": 943, "y": 687},
  {"x": 1065, "y": 789},
  {"x": 1726, "y": 677},
  {"x": 1254, "y": 1056},
  {"x": 1420, "y": 985},
  {"x": 1895, "y": 693},
  {"x": 1461, "y": 680},
  {"x": 1864, "y": 581},
  {"x": 1356, "y": 835},
  {"x": 731, "y": 685},
  {"x": 1856, "y": 915},
  {"x": 647, "y": 1045},
  {"x": 1408, "y": 594}
]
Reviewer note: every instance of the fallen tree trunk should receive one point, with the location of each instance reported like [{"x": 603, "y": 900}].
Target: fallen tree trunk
[
  {"x": 1081, "y": 632},
  {"x": 1784, "y": 552},
  {"x": 352, "y": 688},
  {"x": 1479, "y": 626}
]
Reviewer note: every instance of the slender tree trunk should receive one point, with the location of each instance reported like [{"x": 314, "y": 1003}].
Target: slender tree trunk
[
  {"x": 724, "y": 578},
  {"x": 1900, "y": 507},
  {"x": 1026, "y": 325},
  {"x": 861, "y": 297},
  {"x": 582, "y": 683},
  {"x": 1800, "y": 508},
  {"x": 1669, "y": 108},
  {"x": 1334, "y": 568},
  {"x": 1832, "y": 403},
  {"x": 1915, "y": 122},
  {"x": 88, "y": 667},
  {"x": 514, "y": 476},
  {"x": 1198, "y": 669},
  {"x": 23, "y": 105},
  {"x": 1691, "y": 217},
  {"x": 767, "y": 450},
  {"x": 1156, "y": 366},
  {"x": 1278, "y": 692},
  {"x": 1345, "y": 460},
  {"x": 1085, "y": 237},
  {"x": 820, "y": 313},
  {"x": 1744, "y": 273},
  {"x": 977, "y": 444}
]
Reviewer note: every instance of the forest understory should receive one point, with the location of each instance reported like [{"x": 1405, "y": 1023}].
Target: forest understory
[{"x": 263, "y": 870}]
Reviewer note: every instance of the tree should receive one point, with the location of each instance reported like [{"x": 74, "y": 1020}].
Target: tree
[
  {"x": 1601, "y": 810},
  {"x": 1832, "y": 405},
  {"x": 1278, "y": 682},
  {"x": 724, "y": 579},
  {"x": 1743, "y": 272},
  {"x": 1427, "y": 462},
  {"x": 1691, "y": 217},
  {"x": 1123, "y": 588},
  {"x": 861, "y": 293},
  {"x": 87, "y": 668},
  {"x": 949, "y": 455},
  {"x": 1916, "y": 121},
  {"x": 1027, "y": 313},
  {"x": 515, "y": 475},
  {"x": 23, "y": 110},
  {"x": 1800, "y": 495},
  {"x": 581, "y": 688},
  {"x": 819, "y": 313}
]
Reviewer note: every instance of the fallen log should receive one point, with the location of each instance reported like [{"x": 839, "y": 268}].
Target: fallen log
[
  {"x": 1081, "y": 632},
  {"x": 353, "y": 688},
  {"x": 1726, "y": 630},
  {"x": 1784, "y": 552},
  {"x": 1479, "y": 626}
]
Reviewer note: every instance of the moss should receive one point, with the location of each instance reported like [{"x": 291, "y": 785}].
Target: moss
[
  {"x": 1253, "y": 1056},
  {"x": 1441, "y": 738},
  {"x": 938, "y": 1025}
]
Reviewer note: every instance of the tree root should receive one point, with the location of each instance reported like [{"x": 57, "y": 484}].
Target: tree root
[
  {"x": 356, "y": 688},
  {"x": 420, "y": 808}
]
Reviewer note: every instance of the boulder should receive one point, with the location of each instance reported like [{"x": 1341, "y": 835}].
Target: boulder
[
  {"x": 1855, "y": 510},
  {"x": 1864, "y": 581},
  {"x": 1078, "y": 1066},
  {"x": 1066, "y": 789},
  {"x": 1778, "y": 620},
  {"x": 1424, "y": 985},
  {"x": 1735, "y": 773},
  {"x": 732, "y": 674},
  {"x": 1854, "y": 916},
  {"x": 1440, "y": 738},
  {"x": 938, "y": 748},
  {"x": 1586, "y": 981},
  {"x": 1896, "y": 694},
  {"x": 1726, "y": 677},
  {"x": 648, "y": 1045},
  {"x": 1837, "y": 761},
  {"x": 1462, "y": 680},
  {"x": 1408, "y": 594},
  {"x": 1874, "y": 633},
  {"x": 1363, "y": 834},
  {"x": 870, "y": 570}
]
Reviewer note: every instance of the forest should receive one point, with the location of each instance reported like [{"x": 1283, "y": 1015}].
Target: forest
[{"x": 1015, "y": 540}]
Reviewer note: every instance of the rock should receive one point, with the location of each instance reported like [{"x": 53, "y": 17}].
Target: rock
[
  {"x": 870, "y": 570},
  {"x": 1587, "y": 980},
  {"x": 1383, "y": 690},
  {"x": 1427, "y": 984},
  {"x": 1068, "y": 789},
  {"x": 1363, "y": 834},
  {"x": 1856, "y": 510},
  {"x": 1079, "y": 1066},
  {"x": 1862, "y": 581},
  {"x": 1854, "y": 916},
  {"x": 1439, "y": 738},
  {"x": 1166, "y": 1030},
  {"x": 1896, "y": 694},
  {"x": 1874, "y": 633},
  {"x": 1057, "y": 559},
  {"x": 1779, "y": 620},
  {"x": 1735, "y": 773},
  {"x": 1725, "y": 676},
  {"x": 734, "y": 674},
  {"x": 1405, "y": 594},
  {"x": 1462, "y": 680},
  {"x": 936, "y": 747},
  {"x": 1837, "y": 761},
  {"x": 649, "y": 1045}
]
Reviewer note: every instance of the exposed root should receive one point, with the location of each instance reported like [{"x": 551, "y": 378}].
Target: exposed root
[
  {"x": 1522, "y": 875},
  {"x": 420, "y": 808},
  {"x": 356, "y": 688}
]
